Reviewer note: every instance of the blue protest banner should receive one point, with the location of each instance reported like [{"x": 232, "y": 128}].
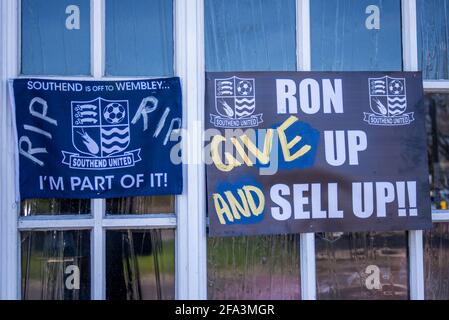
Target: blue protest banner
[{"x": 97, "y": 139}]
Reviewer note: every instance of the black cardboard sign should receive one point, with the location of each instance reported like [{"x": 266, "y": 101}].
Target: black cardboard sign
[{"x": 291, "y": 152}]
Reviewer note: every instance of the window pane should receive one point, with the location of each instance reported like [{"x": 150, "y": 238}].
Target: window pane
[
  {"x": 139, "y": 37},
  {"x": 250, "y": 35},
  {"x": 344, "y": 37},
  {"x": 437, "y": 106},
  {"x": 141, "y": 205},
  {"x": 433, "y": 38},
  {"x": 55, "y": 37},
  {"x": 148, "y": 52},
  {"x": 140, "y": 265},
  {"x": 55, "y": 41},
  {"x": 34, "y": 207},
  {"x": 55, "y": 265},
  {"x": 362, "y": 265},
  {"x": 264, "y": 267},
  {"x": 436, "y": 261}
]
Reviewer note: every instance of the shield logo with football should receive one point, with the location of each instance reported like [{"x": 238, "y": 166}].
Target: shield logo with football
[
  {"x": 100, "y": 127},
  {"x": 235, "y": 97},
  {"x": 387, "y": 96}
]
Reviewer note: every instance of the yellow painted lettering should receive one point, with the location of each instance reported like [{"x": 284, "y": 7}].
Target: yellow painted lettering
[
  {"x": 238, "y": 207},
  {"x": 287, "y": 146},
  {"x": 255, "y": 209},
  {"x": 232, "y": 162},
  {"x": 262, "y": 156},
  {"x": 222, "y": 209}
]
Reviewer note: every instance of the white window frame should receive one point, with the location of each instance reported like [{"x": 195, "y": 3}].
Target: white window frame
[{"x": 191, "y": 240}]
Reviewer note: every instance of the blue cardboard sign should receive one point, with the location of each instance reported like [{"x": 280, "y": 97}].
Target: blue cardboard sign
[{"x": 97, "y": 139}]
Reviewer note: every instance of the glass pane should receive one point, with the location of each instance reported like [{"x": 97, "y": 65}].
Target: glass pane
[
  {"x": 254, "y": 268},
  {"x": 436, "y": 262},
  {"x": 143, "y": 54},
  {"x": 55, "y": 37},
  {"x": 55, "y": 41},
  {"x": 362, "y": 265},
  {"x": 356, "y": 35},
  {"x": 34, "y": 207},
  {"x": 141, "y": 205},
  {"x": 433, "y": 38},
  {"x": 139, "y": 37},
  {"x": 437, "y": 122},
  {"x": 250, "y": 35},
  {"x": 55, "y": 265},
  {"x": 140, "y": 265}
]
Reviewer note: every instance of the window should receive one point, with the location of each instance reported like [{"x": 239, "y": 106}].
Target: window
[
  {"x": 355, "y": 35},
  {"x": 352, "y": 35},
  {"x": 251, "y": 35},
  {"x": 362, "y": 265},
  {"x": 436, "y": 260},
  {"x": 66, "y": 21},
  {"x": 149, "y": 49},
  {"x": 114, "y": 249},
  {"x": 432, "y": 43},
  {"x": 433, "y": 39}
]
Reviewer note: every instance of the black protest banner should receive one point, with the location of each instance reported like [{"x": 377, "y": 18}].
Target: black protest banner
[{"x": 291, "y": 152}]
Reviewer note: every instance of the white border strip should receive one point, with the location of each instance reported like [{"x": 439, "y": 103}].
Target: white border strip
[
  {"x": 303, "y": 44},
  {"x": 410, "y": 63},
  {"x": 440, "y": 216},
  {"x": 191, "y": 240},
  {"x": 98, "y": 206},
  {"x": 159, "y": 221},
  {"x": 436, "y": 86},
  {"x": 9, "y": 237},
  {"x": 52, "y": 223},
  {"x": 307, "y": 240}
]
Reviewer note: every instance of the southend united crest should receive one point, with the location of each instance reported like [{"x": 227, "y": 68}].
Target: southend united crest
[
  {"x": 235, "y": 103},
  {"x": 388, "y": 102},
  {"x": 100, "y": 135}
]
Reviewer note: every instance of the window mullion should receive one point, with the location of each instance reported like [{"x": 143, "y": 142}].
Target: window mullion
[
  {"x": 410, "y": 63},
  {"x": 191, "y": 261},
  {"x": 98, "y": 279},
  {"x": 55, "y": 222},
  {"x": 97, "y": 38},
  {"x": 9, "y": 68},
  {"x": 307, "y": 240}
]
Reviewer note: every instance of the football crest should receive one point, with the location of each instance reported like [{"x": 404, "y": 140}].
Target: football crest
[
  {"x": 100, "y": 132},
  {"x": 235, "y": 103},
  {"x": 388, "y": 102}
]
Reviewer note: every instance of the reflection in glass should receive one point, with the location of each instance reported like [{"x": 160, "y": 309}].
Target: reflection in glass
[
  {"x": 433, "y": 38},
  {"x": 140, "y": 265},
  {"x": 139, "y": 37},
  {"x": 141, "y": 205},
  {"x": 55, "y": 37},
  {"x": 361, "y": 265},
  {"x": 262, "y": 267},
  {"x": 55, "y": 265},
  {"x": 436, "y": 262},
  {"x": 34, "y": 207},
  {"x": 250, "y": 35},
  {"x": 344, "y": 37},
  {"x": 437, "y": 123}
]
